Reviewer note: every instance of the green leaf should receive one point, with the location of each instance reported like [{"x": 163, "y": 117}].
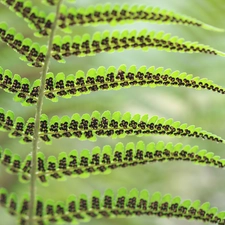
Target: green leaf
[
  {"x": 24, "y": 173},
  {"x": 41, "y": 168},
  {"x": 165, "y": 202},
  {"x": 23, "y": 205},
  {"x": 204, "y": 209},
  {"x": 183, "y": 208},
  {"x": 12, "y": 204},
  {"x": 154, "y": 201}
]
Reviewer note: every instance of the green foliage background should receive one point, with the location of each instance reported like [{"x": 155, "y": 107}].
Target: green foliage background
[{"x": 202, "y": 108}]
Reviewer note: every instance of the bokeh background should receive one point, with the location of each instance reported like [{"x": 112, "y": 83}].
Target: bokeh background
[{"x": 202, "y": 108}]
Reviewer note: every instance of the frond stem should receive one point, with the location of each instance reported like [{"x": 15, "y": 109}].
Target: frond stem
[{"x": 37, "y": 118}]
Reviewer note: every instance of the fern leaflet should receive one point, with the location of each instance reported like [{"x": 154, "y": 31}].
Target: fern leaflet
[
  {"x": 110, "y": 14},
  {"x": 90, "y": 126},
  {"x": 108, "y": 41},
  {"x": 100, "y": 42},
  {"x": 99, "y": 79},
  {"x": 116, "y": 14},
  {"x": 111, "y": 205},
  {"x": 103, "y": 161}
]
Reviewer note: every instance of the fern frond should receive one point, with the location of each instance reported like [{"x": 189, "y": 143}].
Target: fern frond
[
  {"x": 25, "y": 92},
  {"x": 36, "y": 19},
  {"x": 100, "y": 42},
  {"x": 113, "y": 41},
  {"x": 117, "y": 14},
  {"x": 103, "y": 161},
  {"x": 15, "y": 165},
  {"x": 110, "y": 14},
  {"x": 15, "y": 207},
  {"x": 31, "y": 52},
  {"x": 32, "y": 209},
  {"x": 112, "y": 205},
  {"x": 91, "y": 126},
  {"x": 106, "y": 159},
  {"x": 100, "y": 79}
]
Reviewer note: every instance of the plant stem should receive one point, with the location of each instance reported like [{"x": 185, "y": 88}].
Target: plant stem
[{"x": 37, "y": 118}]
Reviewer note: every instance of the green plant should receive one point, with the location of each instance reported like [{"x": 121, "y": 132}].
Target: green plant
[{"x": 91, "y": 126}]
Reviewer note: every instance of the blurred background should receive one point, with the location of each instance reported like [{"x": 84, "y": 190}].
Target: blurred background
[{"x": 202, "y": 108}]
